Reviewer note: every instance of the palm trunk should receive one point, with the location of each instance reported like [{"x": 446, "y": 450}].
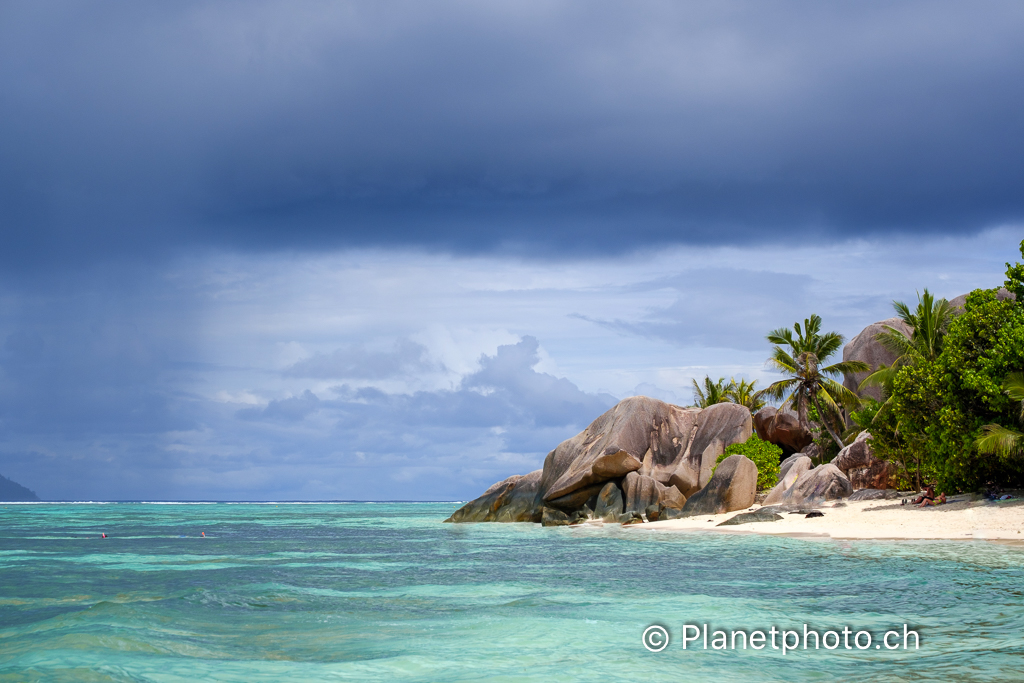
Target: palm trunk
[
  {"x": 801, "y": 412},
  {"x": 827, "y": 426}
]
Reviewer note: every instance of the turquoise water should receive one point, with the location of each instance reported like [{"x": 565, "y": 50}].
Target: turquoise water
[{"x": 385, "y": 592}]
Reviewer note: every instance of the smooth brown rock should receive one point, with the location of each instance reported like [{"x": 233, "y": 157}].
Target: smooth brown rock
[
  {"x": 669, "y": 513},
  {"x": 639, "y": 435},
  {"x": 857, "y": 454},
  {"x": 633, "y": 517},
  {"x": 751, "y": 518},
  {"x": 732, "y": 487},
  {"x": 509, "y": 500},
  {"x": 653, "y": 512},
  {"x": 609, "y": 503},
  {"x": 640, "y": 492},
  {"x": 718, "y": 427},
  {"x": 791, "y": 470},
  {"x": 862, "y": 469},
  {"x": 483, "y": 509},
  {"x": 576, "y": 499},
  {"x": 617, "y": 443},
  {"x": 812, "y": 451},
  {"x": 585, "y": 472},
  {"x": 669, "y": 496},
  {"x": 824, "y": 482},
  {"x": 553, "y": 517},
  {"x": 865, "y": 347},
  {"x": 685, "y": 479},
  {"x": 782, "y": 429}
]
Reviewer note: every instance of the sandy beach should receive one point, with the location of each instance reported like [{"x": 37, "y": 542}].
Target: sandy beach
[{"x": 964, "y": 517}]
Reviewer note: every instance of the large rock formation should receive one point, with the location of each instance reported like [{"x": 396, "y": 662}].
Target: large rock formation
[
  {"x": 866, "y": 347},
  {"x": 792, "y": 469},
  {"x": 783, "y": 429},
  {"x": 862, "y": 469},
  {"x": 732, "y": 487},
  {"x": 718, "y": 427},
  {"x": 752, "y": 518},
  {"x": 641, "y": 491},
  {"x": 958, "y": 303},
  {"x": 824, "y": 482},
  {"x": 644, "y": 446},
  {"x": 609, "y": 503},
  {"x": 510, "y": 500}
]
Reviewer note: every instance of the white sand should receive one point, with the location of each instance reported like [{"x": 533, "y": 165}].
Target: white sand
[{"x": 959, "y": 519}]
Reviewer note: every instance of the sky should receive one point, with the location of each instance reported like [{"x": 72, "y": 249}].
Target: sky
[{"x": 400, "y": 250}]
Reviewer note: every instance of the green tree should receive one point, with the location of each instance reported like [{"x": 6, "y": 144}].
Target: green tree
[
  {"x": 928, "y": 324},
  {"x": 809, "y": 383},
  {"x": 999, "y": 440},
  {"x": 711, "y": 392},
  {"x": 942, "y": 407},
  {"x": 744, "y": 393}
]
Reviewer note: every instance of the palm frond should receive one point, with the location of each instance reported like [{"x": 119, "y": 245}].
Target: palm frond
[
  {"x": 998, "y": 440},
  {"x": 846, "y": 367},
  {"x": 840, "y": 394},
  {"x": 783, "y": 335},
  {"x": 782, "y": 362},
  {"x": 778, "y": 390},
  {"x": 828, "y": 344},
  {"x": 904, "y": 314},
  {"x": 882, "y": 377},
  {"x": 1013, "y": 385},
  {"x": 896, "y": 341}
]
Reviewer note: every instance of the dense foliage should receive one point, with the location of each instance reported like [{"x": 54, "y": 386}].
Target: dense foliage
[
  {"x": 939, "y": 407},
  {"x": 764, "y": 454}
]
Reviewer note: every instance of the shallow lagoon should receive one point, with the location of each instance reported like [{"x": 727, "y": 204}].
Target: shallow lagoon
[{"x": 386, "y": 592}]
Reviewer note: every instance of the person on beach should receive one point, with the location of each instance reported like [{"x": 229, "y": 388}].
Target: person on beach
[
  {"x": 934, "y": 501},
  {"x": 929, "y": 495}
]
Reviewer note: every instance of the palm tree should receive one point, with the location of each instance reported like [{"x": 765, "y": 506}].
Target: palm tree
[
  {"x": 809, "y": 383},
  {"x": 998, "y": 440},
  {"x": 744, "y": 393},
  {"x": 928, "y": 324},
  {"x": 712, "y": 392}
]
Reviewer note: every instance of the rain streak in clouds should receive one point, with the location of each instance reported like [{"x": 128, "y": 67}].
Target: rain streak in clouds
[{"x": 399, "y": 251}]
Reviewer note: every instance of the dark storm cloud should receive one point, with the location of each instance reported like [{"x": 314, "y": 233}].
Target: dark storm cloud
[{"x": 588, "y": 126}]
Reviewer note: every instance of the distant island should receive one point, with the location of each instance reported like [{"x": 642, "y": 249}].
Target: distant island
[{"x": 13, "y": 492}]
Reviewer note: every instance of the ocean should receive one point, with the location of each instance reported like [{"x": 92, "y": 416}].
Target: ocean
[{"x": 386, "y": 592}]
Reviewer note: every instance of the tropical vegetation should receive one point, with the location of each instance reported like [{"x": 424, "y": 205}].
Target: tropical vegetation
[
  {"x": 928, "y": 324},
  {"x": 810, "y": 383},
  {"x": 764, "y": 454},
  {"x": 709, "y": 393},
  {"x": 744, "y": 393},
  {"x": 999, "y": 440},
  {"x": 952, "y": 401}
]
